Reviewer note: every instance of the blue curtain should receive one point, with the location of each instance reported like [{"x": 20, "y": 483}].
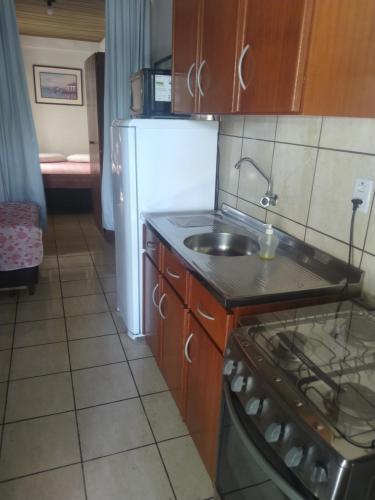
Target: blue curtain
[
  {"x": 20, "y": 176},
  {"x": 127, "y": 47}
]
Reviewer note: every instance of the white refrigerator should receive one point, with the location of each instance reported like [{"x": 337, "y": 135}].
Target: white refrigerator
[{"x": 157, "y": 165}]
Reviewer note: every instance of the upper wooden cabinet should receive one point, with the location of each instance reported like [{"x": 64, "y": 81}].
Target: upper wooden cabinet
[{"x": 312, "y": 57}]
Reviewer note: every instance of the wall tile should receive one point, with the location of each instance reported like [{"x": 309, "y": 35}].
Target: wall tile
[
  {"x": 260, "y": 127},
  {"x": 226, "y": 198},
  {"x": 332, "y": 246},
  {"x": 350, "y": 134},
  {"x": 251, "y": 184},
  {"x": 370, "y": 238},
  {"x": 333, "y": 189},
  {"x": 232, "y": 125},
  {"x": 230, "y": 153},
  {"x": 292, "y": 173},
  {"x": 280, "y": 222},
  {"x": 299, "y": 129},
  {"x": 368, "y": 265},
  {"x": 251, "y": 209}
]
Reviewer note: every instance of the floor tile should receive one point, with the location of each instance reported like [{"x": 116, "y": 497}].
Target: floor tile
[
  {"x": 39, "y": 332},
  {"x": 103, "y": 258},
  {"x": 108, "y": 284},
  {"x": 48, "y": 275},
  {"x": 134, "y": 349},
  {"x": 186, "y": 470},
  {"x": 107, "y": 271},
  {"x": 39, "y": 444},
  {"x": 3, "y": 391},
  {"x": 96, "y": 351},
  {"x": 76, "y": 288},
  {"x": 147, "y": 376},
  {"x": 90, "y": 325},
  {"x": 10, "y": 297},
  {"x": 87, "y": 304},
  {"x": 4, "y": 364},
  {"x": 39, "y": 360},
  {"x": 120, "y": 325},
  {"x": 59, "y": 484},
  {"x": 32, "y": 311},
  {"x": 78, "y": 274},
  {"x": 43, "y": 291},
  {"x": 49, "y": 262},
  {"x": 70, "y": 261},
  {"x": 164, "y": 417},
  {"x": 6, "y": 336},
  {"x": 7, "y": 313},
  {"x": 113, "y": 428},
  {"x": 35, "y": 397},
  {"x": 103, "y": 384},
  {"x": 139, "y": 473},
  {"x": 112, "y": 300}
]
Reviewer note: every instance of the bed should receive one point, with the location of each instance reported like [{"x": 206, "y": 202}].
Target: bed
[{"x": 67, "y": 175}]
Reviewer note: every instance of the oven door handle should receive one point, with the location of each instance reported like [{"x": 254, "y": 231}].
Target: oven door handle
[{"x": 275, "y": 477}]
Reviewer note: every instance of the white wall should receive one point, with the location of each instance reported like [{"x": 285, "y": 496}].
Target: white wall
[
  {"x": 60, "y": 129},
  {"x": 161, "y": 29}
]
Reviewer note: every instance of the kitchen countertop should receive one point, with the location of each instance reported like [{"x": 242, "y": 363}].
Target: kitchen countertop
[{"x": 298, "y": 271}]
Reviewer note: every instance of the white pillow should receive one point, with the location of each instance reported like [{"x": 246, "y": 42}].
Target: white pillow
[
  {"x": 51, "y": 157},
  {"x": 79, "y": 158}
]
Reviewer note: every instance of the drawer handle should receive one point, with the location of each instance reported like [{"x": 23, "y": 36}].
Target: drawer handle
[
  {"x": 151, "y": 245},
  {"x": 240, "y": 63},
  {"x": 203, "y": 314},
  {"x": 160, "y": 304},
  {"x": 173, "y": 275},
  {"x": 186, "y": 349},
  {"x": 153, "y": 295},
  {"x": 199, "y": 76},
  {"x": 188, "y": 79}
]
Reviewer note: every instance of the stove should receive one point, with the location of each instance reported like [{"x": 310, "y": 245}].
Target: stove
[{"x": 305, "y": 379}]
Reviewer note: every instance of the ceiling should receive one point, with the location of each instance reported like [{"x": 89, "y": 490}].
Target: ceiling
[{"x": 71, "y": 19}]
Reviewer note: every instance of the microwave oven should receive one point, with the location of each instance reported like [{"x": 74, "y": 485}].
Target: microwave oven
[{"x": 151, "y": 93}]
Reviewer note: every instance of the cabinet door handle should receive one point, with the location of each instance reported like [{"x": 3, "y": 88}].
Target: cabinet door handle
[
  {"x": 153, "y": 295},
  {"x": 151, "y": 245},
  {"x": 188, "y": 79},
  {"x": 199, "y": 77},
  {"x": 160, "y": 304},
  {"x": 203, "y": 314},
  {"x": 172, "y": 275},
  {"x": 240, "y": 63},
  {"x": 186, "y": 349}
]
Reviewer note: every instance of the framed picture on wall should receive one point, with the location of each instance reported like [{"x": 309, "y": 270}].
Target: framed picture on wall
[{"x": 55, "y": 85}]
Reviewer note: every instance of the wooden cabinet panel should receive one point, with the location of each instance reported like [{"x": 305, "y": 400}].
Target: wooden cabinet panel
[
  {"x": 216, "y": 71},
  {"x": 340, "y": 78},
  {"x": 213, "y": 316},
  {"x": 152, "y": 246},
  {"x": 151, "y": 298},
  {"x": 273, "y": 47},
  {"x": 176, "y": 273},
  {"x": 185, "y": 45},
  {"x": 173, "y": 325},
  {"x": 203, "y": 393}
]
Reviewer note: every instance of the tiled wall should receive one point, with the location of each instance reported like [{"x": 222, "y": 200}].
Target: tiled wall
[{"x": 314, "y": 162}]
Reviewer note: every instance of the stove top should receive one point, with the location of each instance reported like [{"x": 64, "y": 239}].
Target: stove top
[{"x": 326, "y": 353}]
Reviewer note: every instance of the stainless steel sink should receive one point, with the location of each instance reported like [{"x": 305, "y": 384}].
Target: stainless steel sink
[{"x": 221, "y": 244}]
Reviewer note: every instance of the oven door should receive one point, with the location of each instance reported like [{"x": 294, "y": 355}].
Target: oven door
[{"x": 245, "y": 472}]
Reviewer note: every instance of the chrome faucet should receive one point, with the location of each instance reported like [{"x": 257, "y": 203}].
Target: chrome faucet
[{"x": 270, "y": 198}]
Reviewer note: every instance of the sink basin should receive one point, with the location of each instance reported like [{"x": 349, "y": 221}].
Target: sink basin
[{"x": 221, "y": 244}]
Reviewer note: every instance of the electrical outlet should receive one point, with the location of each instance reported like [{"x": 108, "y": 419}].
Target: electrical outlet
[{"x": 363, "y": 189}]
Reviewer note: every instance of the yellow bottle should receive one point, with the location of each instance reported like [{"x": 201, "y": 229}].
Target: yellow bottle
[{"x": 268, "y": 243}]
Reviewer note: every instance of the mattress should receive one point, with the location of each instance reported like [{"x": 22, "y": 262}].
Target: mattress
[
  {"x": 20, "y": 236},
  {"x": 65, "y": 167}
]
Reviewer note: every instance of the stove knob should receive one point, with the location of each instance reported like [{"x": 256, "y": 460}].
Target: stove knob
[
  {"x": 237, "y": 383},
  {"x": 229, "y": 366},
  {"x": 319, "y": 473},
  {"x": 274, "y": 432},
  {"x": 294, "y": 456},
  {"x": 254, "y": 406}
]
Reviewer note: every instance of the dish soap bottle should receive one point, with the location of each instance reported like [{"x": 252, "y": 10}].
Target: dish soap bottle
[{"x": 268, "y": 243}]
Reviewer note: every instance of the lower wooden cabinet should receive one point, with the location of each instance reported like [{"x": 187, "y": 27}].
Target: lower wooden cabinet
[
  {"x": 203, "y": 392},
  {"x": 173, "y": 325},
  {"x": 151, "y": 298}
]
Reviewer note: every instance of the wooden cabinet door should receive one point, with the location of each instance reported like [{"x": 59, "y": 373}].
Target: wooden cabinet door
[
  {"x": 173, "y": 324},
  {"x": 216, "y": 70},
  {"x": 203, "y": 392},
  {"x": 271, "y": 55},
  {"x": 185, "y": 43},
  {"x": 151, "y": 297}
]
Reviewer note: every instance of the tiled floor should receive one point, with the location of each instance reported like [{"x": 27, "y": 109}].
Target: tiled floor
[{"x": 84, "y": 410}]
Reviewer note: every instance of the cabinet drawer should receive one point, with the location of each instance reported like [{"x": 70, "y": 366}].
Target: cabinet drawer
[
  {"x": 175, "y": 272},
  {"x": 152, "y": 246},
  {"x": 213, "y": 316}
]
